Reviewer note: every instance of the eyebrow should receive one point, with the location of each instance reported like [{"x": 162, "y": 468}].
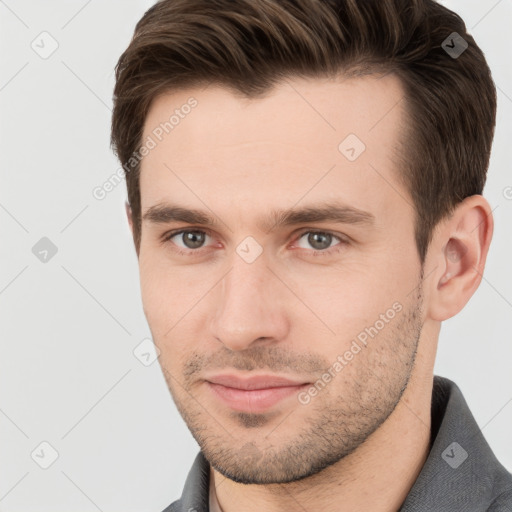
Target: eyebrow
[{"x": 331, "y": 211}]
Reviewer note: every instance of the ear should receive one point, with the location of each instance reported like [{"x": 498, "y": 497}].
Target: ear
[{"x": 460, "y": 248}]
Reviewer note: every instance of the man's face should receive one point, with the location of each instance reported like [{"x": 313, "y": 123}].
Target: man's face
[{"x": 332, "y": 304}]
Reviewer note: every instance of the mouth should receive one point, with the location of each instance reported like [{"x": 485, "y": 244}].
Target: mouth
[{"x": 253, "y": 394}]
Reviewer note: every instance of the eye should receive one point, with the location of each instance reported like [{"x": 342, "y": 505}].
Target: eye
[
  {"x": 192, "y": 239},
  {"x": 321, "y": 241}
]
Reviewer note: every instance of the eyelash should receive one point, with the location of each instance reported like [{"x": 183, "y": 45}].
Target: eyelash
[{"x": 193, "y": 252}]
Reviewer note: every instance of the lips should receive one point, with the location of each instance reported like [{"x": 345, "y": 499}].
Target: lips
[
  {"x": 253, "y": 394},
  {"x": 254, "y": 382}
]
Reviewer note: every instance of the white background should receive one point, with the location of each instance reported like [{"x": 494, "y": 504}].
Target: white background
[{"x": 68, "y": 375}]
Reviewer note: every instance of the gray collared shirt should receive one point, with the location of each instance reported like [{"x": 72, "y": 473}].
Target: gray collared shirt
[{"x": 461, "y": 473}]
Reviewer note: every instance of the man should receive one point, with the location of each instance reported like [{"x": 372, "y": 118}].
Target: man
[{"x": 304, "y": 182}]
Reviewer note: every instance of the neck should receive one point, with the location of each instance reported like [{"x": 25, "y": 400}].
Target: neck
[{"x": 377, "y": 476}]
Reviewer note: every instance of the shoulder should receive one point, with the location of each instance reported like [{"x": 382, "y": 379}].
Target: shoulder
[{"x": 503, "y": 503}]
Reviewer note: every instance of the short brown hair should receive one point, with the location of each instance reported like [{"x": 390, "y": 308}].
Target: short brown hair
[{"x": 249, "y": 46}]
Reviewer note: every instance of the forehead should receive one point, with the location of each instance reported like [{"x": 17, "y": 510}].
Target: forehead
[{"x": 307, "y": 139}]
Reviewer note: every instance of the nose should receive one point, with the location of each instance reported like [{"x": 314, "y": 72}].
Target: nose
[{"x": 250, "y": 306}]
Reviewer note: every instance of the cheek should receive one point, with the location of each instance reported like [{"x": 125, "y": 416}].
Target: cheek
[
  {"x": 160, "y": 298},
  {"x": 341, "y": 296},
  {"x": 346, "y": 303},
  {"x": 173, "y": 299}
]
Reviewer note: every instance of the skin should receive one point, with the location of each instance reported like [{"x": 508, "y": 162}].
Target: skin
[{"x": 360, "y": 443}]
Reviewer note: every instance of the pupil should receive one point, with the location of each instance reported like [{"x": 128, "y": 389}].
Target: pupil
[
  {"x": 194, "y": 239},
  {"x": 313, "y": 239}
]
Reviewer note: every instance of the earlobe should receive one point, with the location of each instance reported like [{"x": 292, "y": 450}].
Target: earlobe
[{"x": 461, "y": 258}]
